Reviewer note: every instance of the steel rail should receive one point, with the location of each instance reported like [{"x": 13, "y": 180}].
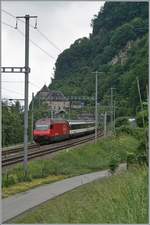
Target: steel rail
[
  {"x": 14, "y": 149},
  {"x": 37, "y": 151}
]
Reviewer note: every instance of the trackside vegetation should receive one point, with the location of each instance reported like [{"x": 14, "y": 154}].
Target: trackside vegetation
[
  {"x": 119, "y": 199},
  {"x": 107, "y": 153}
]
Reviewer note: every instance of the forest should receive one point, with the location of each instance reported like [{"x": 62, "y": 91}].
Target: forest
[{"x": 118, "y": 49}]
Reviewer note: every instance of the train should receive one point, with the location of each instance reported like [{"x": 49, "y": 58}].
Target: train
[{"x": 49, "y": 130}]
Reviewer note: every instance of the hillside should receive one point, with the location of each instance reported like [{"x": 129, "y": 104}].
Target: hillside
[{"x": 118, "y": 47}]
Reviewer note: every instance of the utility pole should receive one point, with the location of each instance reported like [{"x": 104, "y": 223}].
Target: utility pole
[
  {"x": 52, "y": 113},
  {"x": 141, "y": 103},
  {"x": 96, "y": 110},
  {"x": 112, "y": 111},
  {"x": 96, "y": 116},
  {"x": 27, "y": 18},
  {"x": 142, "y": 109},
  {"x": 111, "y": 114},
  {"x": 69, "y": 108},
  {"x": 32, "y": 117},
  {"x": 105, "y": 124},
  {"x": 114, "y": 117}
]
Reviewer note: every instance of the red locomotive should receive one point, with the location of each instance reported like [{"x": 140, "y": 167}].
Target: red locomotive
[{"x": 48, "y": 130}]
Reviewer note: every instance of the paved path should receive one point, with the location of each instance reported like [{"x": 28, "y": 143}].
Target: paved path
[{"x": 19, "y": 203}]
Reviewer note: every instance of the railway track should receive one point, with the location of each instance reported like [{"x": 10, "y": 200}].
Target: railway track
[{"x": 13, "y": 156}]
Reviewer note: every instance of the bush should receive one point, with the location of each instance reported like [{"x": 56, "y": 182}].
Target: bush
[
  {"x": 142, "y": 152},
  {"x": 21, "y": 177},
  {"x": 131, "y": 158},
  {"x": 120, "y": 121},
  {"x": 114, "y": 162},
  {"x": 140, "y": 156},
  {"x": 124, "y": 129},
  {"x": 140, "y": 116},
  {"x": 8, "y": 180},
  {"x": 45, "y": 170},
  {"x": 137, "y": 132}
]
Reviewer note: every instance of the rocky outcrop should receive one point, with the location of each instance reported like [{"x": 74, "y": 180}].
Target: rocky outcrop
[{"x": 122, "y": 57}]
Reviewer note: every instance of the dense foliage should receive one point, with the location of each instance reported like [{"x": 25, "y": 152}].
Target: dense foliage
[
  {"x": 118, "y": 47},
  {"x": 12, "y": 123}
]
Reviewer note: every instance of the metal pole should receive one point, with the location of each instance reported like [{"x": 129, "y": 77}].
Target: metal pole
[
  {"x": 111, "y": 115},
  {"x": 96, "y": 116},
  {"x": 114, "y": 117},
  {"x": 105, "y": 124},
  {"x": 26, "y": 93},
  {"x": 141, "y": 103},
  {"x": 69, "y": 109},
  {"x": 32, "y": 117},
  {"x": 96, "y": 110}
]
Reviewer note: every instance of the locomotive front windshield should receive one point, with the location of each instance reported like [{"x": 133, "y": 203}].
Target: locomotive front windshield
[{"x": 42, "y": 127}]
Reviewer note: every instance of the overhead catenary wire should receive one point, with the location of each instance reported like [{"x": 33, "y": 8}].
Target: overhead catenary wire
[
  {"x": 40, "y": 32},
  {"x": 33, "y": 84},
  {"x": 52, "y": 57},
  {"x": 19, "y": 31},
  {"x": 10, "y": 90},
  {"x": 8, "y": 13},
  {"x": 11, "y": 81},
  {"x": 7, "y": 24}
]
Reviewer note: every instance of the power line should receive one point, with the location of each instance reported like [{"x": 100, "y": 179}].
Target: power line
[
  {"x": 37, "y": 45},
  {"x": 31, "y": 41},
  {"x": 10, "y": 90},
  {"x": 46, "y": 38},
  {"x": 40, "y": 32},
  {"x": 11, "y": 81},
  {"x": 34, "y": 84},
  {"x": 8, "y": 13},
  {"x": 7, "y": 25}
]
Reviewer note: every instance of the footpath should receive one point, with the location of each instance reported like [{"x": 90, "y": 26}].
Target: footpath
[{"x": 19, "y": 203}]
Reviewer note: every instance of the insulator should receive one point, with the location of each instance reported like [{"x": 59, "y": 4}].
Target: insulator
[
  {"x": 35, "y": 27},
  {"x": 16, "y": 27}
]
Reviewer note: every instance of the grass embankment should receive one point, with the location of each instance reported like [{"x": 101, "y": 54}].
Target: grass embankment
[
  {"x": 86, "y": 159},
  {"x": 116, "y": 200}
]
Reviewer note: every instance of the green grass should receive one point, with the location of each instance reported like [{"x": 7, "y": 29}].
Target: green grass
[
  {"x": 119, "y": 199},
  {"x": 24, "y": 186},
  {"x": 86, "y": 159}
]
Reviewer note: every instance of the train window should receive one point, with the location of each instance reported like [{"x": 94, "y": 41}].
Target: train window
[
  {"x": 81, "y": 126},
  {"x": 51, "y": 126},
  {"x": 42, "y": 127}
]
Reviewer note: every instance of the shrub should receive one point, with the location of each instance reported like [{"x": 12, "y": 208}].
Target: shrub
[
  {"x": 120, "y": 121},
  {"x": 137, "y": 132},
  {"x": 131, "y": 158},
  {"x": 140, "y": 116},
  {"x": 124, "y": 129},
  {"x": 8, "y": 180},
  {"x": 21, "y": 177},
  {"x": 114, "y": 162},
  {"x": 140, "y": 156},
  {"x": 45, "y": 170}
]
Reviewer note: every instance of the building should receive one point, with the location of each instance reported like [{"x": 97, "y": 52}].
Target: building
[{"x": 55, "y": 100}]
